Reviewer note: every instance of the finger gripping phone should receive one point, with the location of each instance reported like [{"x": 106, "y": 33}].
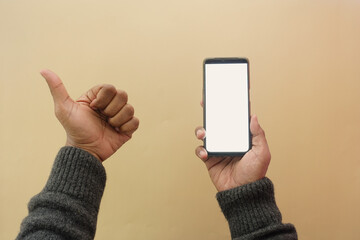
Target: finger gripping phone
[{"x": 226, "y": 106}]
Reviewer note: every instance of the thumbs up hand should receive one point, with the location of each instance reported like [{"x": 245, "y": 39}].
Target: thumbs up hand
[{"x": 99, "y": 122}]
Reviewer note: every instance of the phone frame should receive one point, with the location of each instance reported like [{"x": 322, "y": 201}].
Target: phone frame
[{"x": 225, "y": 61}]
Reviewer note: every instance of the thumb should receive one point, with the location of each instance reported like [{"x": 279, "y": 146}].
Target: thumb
[
  {"x": 57, "y": 88},
  {"x": 258, "y": 134}
]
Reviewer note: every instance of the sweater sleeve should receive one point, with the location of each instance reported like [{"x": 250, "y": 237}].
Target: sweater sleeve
[
  {"x": 252, "y": 213},
  {"x": 67, "y": 207}
]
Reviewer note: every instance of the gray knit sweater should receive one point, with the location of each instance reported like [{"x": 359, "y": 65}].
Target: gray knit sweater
[{"x": 67, "y": 207}]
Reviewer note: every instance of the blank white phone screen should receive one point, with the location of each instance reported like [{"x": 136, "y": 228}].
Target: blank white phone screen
[{"x": 226, "y": 107}]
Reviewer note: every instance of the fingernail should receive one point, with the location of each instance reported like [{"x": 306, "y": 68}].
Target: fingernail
[
  {"x": 197, "y": 133},
  {"x": 202, "y": 153}
]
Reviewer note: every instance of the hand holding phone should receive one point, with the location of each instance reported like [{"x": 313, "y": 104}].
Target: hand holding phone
[
  {"x": 228, "y": 172},
  {"x": 229, "y": 132}
]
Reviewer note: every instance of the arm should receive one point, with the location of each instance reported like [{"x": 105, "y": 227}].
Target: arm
[
  {"x": 252, "y": 213},
  {"x": 246, "y": 196},
  {"x": 97, "y": 125},
  {"x": 68, "y": 206}
]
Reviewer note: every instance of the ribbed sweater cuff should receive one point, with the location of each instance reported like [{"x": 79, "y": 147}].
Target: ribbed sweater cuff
[
  {"x": 79, "y": 174},
  {"x": 249, "y": 207}
]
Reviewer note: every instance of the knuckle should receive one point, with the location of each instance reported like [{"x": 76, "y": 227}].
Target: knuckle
[
  {"x": 123, "y": 95},
  {"x": 136, "y": 123},
  {"x": 131, "y": 126},
  {"x": 261, "y": 132},
  {"x": 108, "y": 88},
  {"x": 130, "y": 109}
]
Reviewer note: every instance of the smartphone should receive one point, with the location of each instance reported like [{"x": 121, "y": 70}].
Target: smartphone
[{"x": 226, "y": 106}]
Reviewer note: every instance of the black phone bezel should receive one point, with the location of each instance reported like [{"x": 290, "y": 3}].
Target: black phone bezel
[{"x": 225, "y": 61}]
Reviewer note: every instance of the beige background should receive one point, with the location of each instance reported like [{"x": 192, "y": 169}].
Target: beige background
[{"x": 305, "y": 80}]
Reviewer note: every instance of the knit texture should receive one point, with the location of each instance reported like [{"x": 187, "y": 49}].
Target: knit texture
[
  {"x": 68, "y": 206},
  {"x": 252, "y": 213}
]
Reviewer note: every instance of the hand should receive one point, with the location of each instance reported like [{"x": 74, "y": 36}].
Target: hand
[
  {"x": 231, "y": 172},
  {"x": 99, "y": 122}
]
